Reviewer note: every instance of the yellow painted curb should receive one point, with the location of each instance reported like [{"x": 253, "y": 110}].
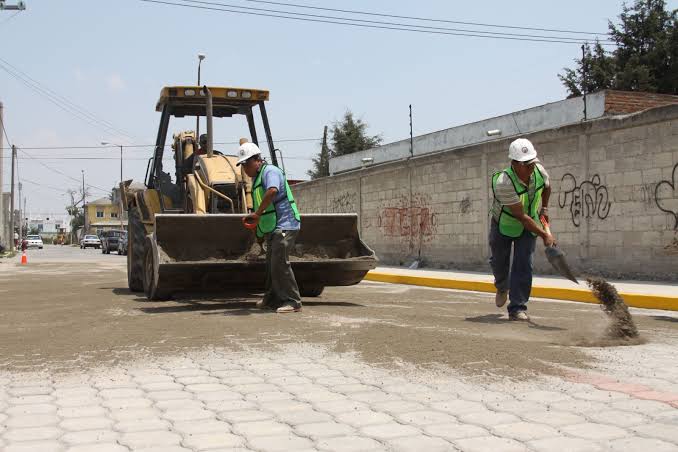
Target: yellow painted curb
[{"x": 558, "y": 293}]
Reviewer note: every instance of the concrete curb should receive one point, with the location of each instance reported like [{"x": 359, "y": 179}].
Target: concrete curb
[{"x": 558, "y": 293}]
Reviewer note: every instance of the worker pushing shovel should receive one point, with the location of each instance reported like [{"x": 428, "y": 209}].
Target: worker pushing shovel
[{"x": 521, "y": 197}]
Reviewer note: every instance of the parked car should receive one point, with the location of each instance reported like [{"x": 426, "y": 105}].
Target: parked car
[
  {"x": 122, "y": 245},
  {"x": 90, "y": 241},
  {"x": 110, "y": 239},
  {"x": 34, "y": 241}
]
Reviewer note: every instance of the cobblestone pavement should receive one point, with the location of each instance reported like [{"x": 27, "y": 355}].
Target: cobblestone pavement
[
  {"x": 306, "y": 398},
  {"x": 85, "y": 365}
]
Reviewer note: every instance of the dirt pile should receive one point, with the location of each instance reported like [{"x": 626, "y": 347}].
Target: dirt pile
[{"x": 621, "y": 323}]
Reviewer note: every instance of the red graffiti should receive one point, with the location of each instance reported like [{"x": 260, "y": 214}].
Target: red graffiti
[{"x": 406, "y": 222}]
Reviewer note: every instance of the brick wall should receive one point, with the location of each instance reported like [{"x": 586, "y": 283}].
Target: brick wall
[
  {"x": 604, "y": 211},
  {"x": 620, "y": 102}
]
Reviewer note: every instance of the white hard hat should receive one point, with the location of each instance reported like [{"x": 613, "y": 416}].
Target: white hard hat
[
  {"x": 247, "y": 150},
  {"x": 522, "y": 150}
]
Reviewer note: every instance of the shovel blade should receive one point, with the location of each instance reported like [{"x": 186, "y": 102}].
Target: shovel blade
[{"x": 556, "y": 258}]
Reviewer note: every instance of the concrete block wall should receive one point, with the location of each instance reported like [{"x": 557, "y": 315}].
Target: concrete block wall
[{"x": 606, "y": 209}]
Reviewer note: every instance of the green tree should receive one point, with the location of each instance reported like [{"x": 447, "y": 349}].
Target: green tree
[
  {"x": 77, "y": 218},
  {"x": 349, "y": 136},
  {"x": 645, "y": 57}
]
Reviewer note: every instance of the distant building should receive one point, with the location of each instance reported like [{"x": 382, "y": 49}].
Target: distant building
[
  {"x": 103, "y": 215},
  {"x": 48, "y": 225}
]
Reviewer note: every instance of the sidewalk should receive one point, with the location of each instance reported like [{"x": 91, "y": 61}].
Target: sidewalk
[{"x": 639, "y": 294}]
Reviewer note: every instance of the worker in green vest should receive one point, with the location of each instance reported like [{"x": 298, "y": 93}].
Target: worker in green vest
[
  {"x": 521, "y": 195},
  {"x": 278, "y": 222}
]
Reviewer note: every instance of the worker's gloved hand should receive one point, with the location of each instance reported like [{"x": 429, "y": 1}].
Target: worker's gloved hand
[
  {"x": 549, "y": 240},
  {"x": 544, "y": 212},
  {"x": 251, "y": 221}
]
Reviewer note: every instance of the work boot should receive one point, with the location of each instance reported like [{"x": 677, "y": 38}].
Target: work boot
[
  {"x": 289, "y": 307},
  {"x": 501, "y": 297},
  {"x": 267, "y": 304},
  {"x": 519, "y": 316}
]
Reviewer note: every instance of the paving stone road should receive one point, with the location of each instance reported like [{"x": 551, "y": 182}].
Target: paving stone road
[
  {"x": 306, "y": 398},
  {"x": 264, "y": 394}
]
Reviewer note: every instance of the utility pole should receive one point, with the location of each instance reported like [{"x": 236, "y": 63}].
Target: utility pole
[
  {"x": 411, "y": 139},
  {"x": 19, "y": 6},
  {"x": 21, "y": 216},
  {"x": 11, "y": 201},
  {"x": 2, "y": 159},
  {"x": 585, "y": 70},
  {"x": 106, "y": 143},
  {"x": 324, "y": 153}
]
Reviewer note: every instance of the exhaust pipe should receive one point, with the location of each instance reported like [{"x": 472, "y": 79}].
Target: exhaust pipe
[{"x": 210, "y": 135}]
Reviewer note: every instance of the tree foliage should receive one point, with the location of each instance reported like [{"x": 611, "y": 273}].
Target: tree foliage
[
  {"x": 348, "y": 136},
  {"x": 645, "y": 57}
]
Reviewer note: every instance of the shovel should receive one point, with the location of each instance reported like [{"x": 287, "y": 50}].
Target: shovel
[{"x": 556, "y": 257}]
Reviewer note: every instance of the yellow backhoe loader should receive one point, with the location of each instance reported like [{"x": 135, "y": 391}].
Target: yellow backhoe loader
[{"x": 185, "y": 233}]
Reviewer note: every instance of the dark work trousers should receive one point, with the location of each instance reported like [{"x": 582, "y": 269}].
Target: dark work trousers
[
  {"x": 281, "y": 286},
  {"x": 516, "y": 277}
]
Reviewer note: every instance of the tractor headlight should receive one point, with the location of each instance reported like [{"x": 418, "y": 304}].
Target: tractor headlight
[
  {"x": 232, "y": 93},
  {"x": 246, "y": 94},
  {"x": 189, "y": 92}
]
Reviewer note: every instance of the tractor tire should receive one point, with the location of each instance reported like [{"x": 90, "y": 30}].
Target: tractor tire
[
  {"x": 311, "y": 291},
  {"x": 136, "y": 235},
  {"x": 151, "y": 289}
]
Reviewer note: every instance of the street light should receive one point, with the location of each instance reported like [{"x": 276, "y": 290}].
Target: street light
[
  {"x": 106, "y": 143},
  {"x": 201, "y": 56}
]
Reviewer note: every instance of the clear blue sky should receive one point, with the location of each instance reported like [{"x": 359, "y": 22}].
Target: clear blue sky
[{"x": 112, "y": 58}]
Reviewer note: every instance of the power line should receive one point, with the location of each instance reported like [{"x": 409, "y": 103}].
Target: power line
[
  {"x": 63, "y": 157},
  {"x": 426, "y": 19},
  {"x": 54, "y": 170},
  {"x": 363, "y": 25},
  {"x": 43, "y": 185},
  {"x": 398, "y": 24},
  {"x": 9, "y": 18},
  {"x": 60, "y": 101},
  {"x": 290, "y": 140}
]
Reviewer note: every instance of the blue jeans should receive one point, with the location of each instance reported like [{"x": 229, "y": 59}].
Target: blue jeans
[{"x": 516, "y": 277}]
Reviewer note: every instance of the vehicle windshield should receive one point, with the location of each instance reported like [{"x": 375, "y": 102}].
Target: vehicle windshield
[
  {"x": 33, "y": 237},
  {"x": 92, "y": 237},
  {"x": 114, "y": 233}
]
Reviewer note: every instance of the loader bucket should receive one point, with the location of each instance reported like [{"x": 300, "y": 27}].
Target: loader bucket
[{"x": 215, "y": 253}]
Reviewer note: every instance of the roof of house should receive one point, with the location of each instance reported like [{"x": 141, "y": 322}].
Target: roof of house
[{"x": 100, "y": 202}]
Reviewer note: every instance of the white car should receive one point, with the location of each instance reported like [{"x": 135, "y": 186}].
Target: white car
[
  {"x": 90, "y": 241},
  {"x": 34, "y": 241}
]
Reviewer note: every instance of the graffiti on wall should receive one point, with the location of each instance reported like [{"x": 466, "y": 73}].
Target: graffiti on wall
[
  {"x": 411, "y": 225},
  {"x": 465, "y": 205},
  {"x": 586, "y": 200},
  {"x": 666, "y": 196},
  {"x": 344, "y": 203}
]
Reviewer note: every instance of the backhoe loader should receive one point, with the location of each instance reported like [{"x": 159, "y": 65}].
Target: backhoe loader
[{"x": 185, "y": 230}]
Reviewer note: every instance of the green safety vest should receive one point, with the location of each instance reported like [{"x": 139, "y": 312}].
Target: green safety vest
[
  {"x": 509, "y": 225},
  {"x": 269, "y": 218}
]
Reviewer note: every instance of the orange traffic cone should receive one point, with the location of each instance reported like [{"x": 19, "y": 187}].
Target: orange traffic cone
[{"x": 24, "y": 259}]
